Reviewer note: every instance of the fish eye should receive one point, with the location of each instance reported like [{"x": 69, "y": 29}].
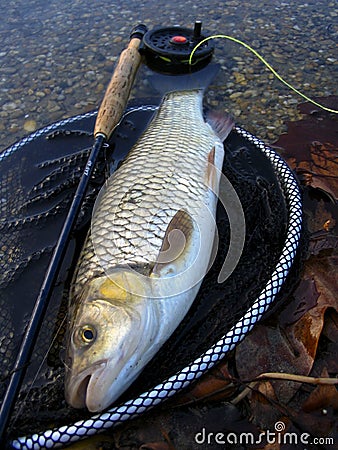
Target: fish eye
[{"x": 87, "y": 334}]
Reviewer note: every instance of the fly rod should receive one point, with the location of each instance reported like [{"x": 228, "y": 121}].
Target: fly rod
[{"x": 109, "y": 115}]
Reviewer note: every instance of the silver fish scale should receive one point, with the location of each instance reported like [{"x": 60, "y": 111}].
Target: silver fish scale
[{"x": 165, "y": 171}]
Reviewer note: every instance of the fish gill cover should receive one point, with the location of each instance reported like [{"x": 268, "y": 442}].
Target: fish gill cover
[{"x": 38, "y": 178}]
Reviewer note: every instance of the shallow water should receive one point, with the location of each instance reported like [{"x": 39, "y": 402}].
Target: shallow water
[{"x": 57, "y": 57}]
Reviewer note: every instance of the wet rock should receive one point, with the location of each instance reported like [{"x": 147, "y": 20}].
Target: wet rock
[
  {"x": 10, "y": 106},
  {"x": 30, "y": 125},
  {"x": 76, "y": 49}
]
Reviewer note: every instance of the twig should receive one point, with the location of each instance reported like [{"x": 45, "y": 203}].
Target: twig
[{"x": 282, "y": 376}]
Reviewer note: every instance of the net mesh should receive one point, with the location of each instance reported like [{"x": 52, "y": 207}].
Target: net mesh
[{"x": 67, "y": 434}]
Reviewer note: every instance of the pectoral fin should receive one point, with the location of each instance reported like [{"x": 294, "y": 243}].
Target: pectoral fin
[{"x": 175, "y": 245}]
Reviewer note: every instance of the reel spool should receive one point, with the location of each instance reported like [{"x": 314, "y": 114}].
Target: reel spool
[{"x": 168, "y": 49}]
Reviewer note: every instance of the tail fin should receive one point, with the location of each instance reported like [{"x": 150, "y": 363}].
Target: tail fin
[
  {"x": 221, "y": 123},
  {"x": 199, "y": 80}
]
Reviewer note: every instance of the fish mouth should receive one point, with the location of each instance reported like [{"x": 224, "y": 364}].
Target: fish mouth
[{"x": 84, "y": 386}]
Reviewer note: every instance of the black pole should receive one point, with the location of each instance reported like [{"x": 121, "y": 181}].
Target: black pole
[
  {"x": 109, "y": 114},
  {"x": 41, "y": 303}
]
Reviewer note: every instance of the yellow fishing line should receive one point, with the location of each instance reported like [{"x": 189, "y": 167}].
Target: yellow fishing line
[{"x": 260, "y": 57}]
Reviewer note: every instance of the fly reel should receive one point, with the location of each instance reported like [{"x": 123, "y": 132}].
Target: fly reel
[{"x": 168, "y": 49}]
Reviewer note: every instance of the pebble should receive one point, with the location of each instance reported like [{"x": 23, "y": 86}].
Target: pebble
[
  {"x": 235, "y": 95},
  {"x": 9, "y": 106},
  {"x": 250, "y": 93},
  {"x": 30, "y": 125},
  {"x": 240, "y": 77}
]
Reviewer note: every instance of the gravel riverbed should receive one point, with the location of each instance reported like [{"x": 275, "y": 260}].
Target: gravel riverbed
[{"x": 56, "y": 58}]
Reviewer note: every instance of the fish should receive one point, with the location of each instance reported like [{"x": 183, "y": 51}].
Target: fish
[{"x": 149, "y": 245}]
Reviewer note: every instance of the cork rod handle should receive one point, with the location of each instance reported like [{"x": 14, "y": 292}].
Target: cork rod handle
[{"x": 117, "y": 93}]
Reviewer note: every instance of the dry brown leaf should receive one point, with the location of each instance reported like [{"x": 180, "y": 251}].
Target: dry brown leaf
[
  {"x": 274, "y": 446},
  {"x": 322, "y": 397},
  {"x": 322, "y": 240},
  {"x": 94, "y": 443},
  {"x": 320, "y": 215},
  {"x": 304, "y": 298},
  {"x": 269, "y": 349},
  {"x": 323, "y": 271},
  {"x": 320, "y": 170},
  {"x": 310, "y": 147},
  {"x": 331, "y": 326},
  {"x": 216, "y": 385},
  {"x": 157, "y": 446},
  {"x": 264, "y": 413},
  {"x": 316, "y": 424},
  {"x": 292, "y": 349}
]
